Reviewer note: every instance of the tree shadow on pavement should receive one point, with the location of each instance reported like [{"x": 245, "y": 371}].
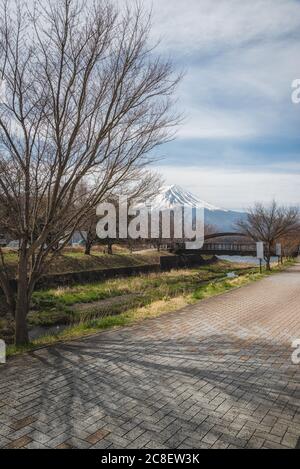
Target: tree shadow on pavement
[{"x": 177, "y": 392}]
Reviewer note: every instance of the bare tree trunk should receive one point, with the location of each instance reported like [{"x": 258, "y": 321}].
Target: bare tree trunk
[
  {"x": 268, "y": 257},
  {"x": 88, "y": 247},
  {"x": 21, "y": 330},
  {"x": 109, "y": 247},
  {"x": 9, "y": 295},
  {"x": 90, "y": 239},
  {"x": 22, "y": 303}
]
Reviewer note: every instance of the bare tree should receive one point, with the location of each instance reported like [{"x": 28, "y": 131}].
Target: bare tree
[
  {"x": 145, "y": 185},
  {"x": 86, "y": 101},
  {"x": 290, "y": 244},
  {"x": 269, "y": 224}
]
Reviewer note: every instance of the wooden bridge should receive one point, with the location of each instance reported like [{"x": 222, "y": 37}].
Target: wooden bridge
[
  {"x": 222, "y": 248},
  {"x": 230, "y": 249}
]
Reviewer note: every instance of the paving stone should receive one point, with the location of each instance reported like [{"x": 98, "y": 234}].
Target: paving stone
[
  {"x": 19, "y": 443},
  {"x": 64, "y": 445},
  {"x": 290, "y": 440},
  {"x": 97, "y": 436},
  {"x": 18, "y": 424}
]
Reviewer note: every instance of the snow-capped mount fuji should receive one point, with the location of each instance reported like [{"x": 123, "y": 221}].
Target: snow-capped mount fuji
[{"x": 173, "y": 196}]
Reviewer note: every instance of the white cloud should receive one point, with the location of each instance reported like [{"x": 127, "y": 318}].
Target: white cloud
[
  {"x": 240, "y": 59},
  {"x": 242, "y": 93},
  {"x": 190, "y": 25},
  {"x": 210, "y": 123}
]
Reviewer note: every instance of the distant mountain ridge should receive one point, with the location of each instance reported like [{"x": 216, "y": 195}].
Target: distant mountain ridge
[{"x": 173, "y": 196}]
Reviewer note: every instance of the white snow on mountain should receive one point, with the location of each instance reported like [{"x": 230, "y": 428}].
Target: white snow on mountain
[{"x": 173, "y": 196}]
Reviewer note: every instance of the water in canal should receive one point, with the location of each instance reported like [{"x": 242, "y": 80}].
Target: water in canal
[{"x": 246, "y": 259}]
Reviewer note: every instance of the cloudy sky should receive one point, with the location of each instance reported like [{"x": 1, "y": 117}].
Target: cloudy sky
[{"x": 240, "y": 141}]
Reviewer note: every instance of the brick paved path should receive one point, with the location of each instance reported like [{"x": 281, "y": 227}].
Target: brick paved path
[{"x": 216, "y": 374}]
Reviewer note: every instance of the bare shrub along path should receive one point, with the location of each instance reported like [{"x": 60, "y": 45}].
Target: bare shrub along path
[{"x": 214, "y": 374}]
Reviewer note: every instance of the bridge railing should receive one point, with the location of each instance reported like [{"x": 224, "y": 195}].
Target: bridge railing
[{"x": 229, "y": 247}]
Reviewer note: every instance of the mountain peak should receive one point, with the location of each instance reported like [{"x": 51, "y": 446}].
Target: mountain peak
[{"x": 175, "y": 195}]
